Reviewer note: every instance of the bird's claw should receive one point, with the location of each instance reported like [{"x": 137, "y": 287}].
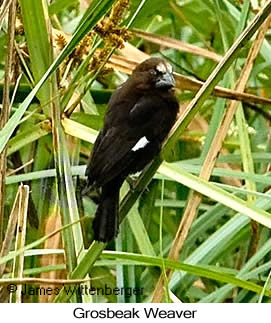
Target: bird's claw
[{"x": 131, "y": 180}]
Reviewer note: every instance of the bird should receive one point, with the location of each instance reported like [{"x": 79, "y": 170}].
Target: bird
[{"x": 140, "y": 114}]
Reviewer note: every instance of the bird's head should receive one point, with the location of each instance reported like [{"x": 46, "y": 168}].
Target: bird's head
[{"x": 155, "y": 73}]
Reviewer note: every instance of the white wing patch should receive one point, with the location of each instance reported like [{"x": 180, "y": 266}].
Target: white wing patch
[{"x": 142, "y": 142}]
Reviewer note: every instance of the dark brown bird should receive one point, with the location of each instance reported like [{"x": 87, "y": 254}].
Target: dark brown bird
[{"x": 140, "y": 114}]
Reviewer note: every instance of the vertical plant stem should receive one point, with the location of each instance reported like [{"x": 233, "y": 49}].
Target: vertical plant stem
[
  {"x": 3, "y": 9},
  {"x": 10, "y": 231},
  {"x": 18, "y": 264},
  {"x": 6, "y": 108}
]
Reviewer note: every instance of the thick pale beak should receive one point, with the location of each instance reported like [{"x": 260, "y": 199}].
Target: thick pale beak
[{"x": 165, "y": 81}]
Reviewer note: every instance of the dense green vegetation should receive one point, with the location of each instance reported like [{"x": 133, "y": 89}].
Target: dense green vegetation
[{"x": 197, "y": 223}]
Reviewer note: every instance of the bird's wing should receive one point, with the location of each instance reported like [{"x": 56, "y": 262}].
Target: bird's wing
[
  {"x": 143, "y": 110},
  {"x": 114, "y": 147},
  {"x": 110, "y": 157}
]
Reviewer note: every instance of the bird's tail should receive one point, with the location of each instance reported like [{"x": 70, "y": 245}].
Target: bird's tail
[{"x": 106, "y": 222}]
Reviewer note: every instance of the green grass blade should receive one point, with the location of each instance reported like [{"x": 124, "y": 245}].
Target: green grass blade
[
  {"x": 91, "y": 19},
  {"x": 216, "y": 193}
]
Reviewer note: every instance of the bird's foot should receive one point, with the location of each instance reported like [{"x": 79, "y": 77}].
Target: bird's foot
[{"x": 131, "y": 180}]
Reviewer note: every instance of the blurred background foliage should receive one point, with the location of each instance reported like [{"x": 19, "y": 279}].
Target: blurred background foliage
[{"x": 93, "y": 45}]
